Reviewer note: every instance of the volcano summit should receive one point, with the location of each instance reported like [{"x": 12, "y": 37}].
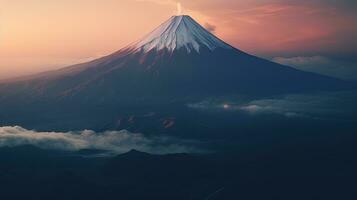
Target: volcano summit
[
  {"x": 180, "y": 32},
  {"x": 179, "y": 61},
  {"x": 180, "y": 58}
]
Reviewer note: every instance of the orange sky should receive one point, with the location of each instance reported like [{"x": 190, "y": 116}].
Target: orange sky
[{"x": 38, "y": 35}]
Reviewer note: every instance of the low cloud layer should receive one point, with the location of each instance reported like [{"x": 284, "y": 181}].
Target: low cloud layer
[
  {"x": 115, "y": 141},
  {"x": 336, "y": 105}
]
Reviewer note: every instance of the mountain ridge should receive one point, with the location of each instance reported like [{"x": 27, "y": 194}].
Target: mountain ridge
[
  {"x": 159, "y": 80},
  {"x": 163, "y": 41}
]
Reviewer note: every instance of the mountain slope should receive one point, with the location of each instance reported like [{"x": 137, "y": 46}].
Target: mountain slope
[
  {"x": 179, "y": 57},
  {"x": 178, "y": 62}
]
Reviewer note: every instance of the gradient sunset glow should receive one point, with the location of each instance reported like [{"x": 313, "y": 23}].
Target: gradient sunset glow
[{"x": 37, "y": 35}]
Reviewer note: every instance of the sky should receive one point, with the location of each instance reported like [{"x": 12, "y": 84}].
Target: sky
[{"x": 315, "y": 35}]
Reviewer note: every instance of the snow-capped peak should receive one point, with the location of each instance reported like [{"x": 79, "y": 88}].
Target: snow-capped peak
[{"x": 179, "y": 32}]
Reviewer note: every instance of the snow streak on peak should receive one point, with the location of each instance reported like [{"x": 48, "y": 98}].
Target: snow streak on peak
[{"x": 179, "y": 32}]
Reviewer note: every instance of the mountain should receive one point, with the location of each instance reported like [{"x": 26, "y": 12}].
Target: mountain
[{"x": 178, "y": 62}]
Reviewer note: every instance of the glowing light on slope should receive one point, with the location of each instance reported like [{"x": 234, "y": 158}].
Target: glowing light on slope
[{"x": 226, "y": 106}]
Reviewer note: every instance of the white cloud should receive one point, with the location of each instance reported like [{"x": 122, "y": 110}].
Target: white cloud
[
  {"x": 320, "y": 105},
  {"x": 255, "y": 108},
  {"x": 261, "y": 107},
  {"x": 116, "y": 141}
]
